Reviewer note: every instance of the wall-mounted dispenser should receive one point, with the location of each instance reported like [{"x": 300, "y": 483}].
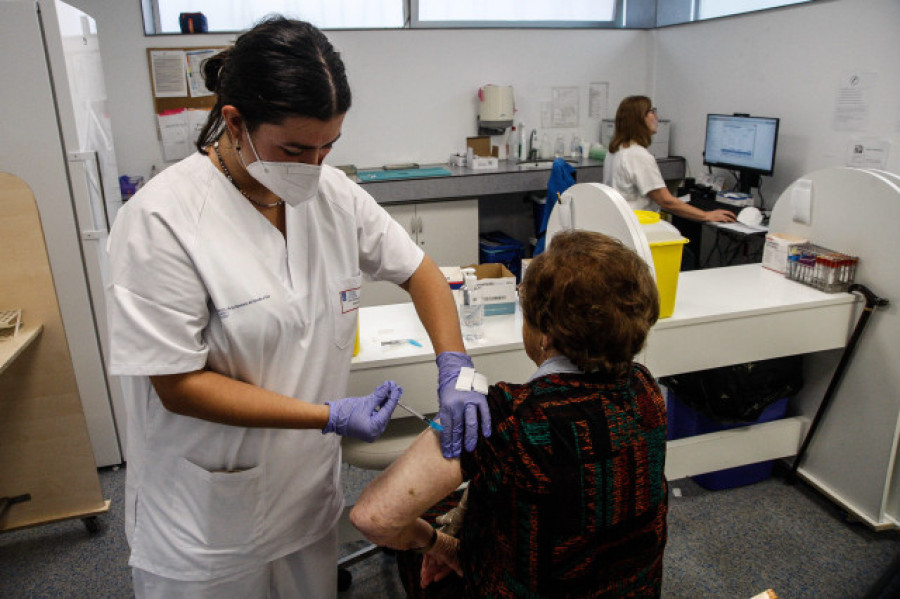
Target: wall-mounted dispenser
[{"x": 496, "y": 108}]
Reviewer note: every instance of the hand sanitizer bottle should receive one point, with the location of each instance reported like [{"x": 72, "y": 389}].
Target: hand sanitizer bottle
[{"x": 471, "y": 313}]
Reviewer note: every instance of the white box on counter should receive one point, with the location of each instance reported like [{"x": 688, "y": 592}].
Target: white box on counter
[
  {"x": 484, "y": 163},
  {"x": 454, "y": 276},
  {"x": 496, "y": 288},
  {"x": 777, "y": 249}
]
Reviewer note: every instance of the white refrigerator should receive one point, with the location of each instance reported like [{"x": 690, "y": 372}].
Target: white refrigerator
[{"x": 55, "y": 135}]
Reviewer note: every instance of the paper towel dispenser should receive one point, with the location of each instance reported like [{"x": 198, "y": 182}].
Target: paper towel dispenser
[{"x": 496, "y": 109}]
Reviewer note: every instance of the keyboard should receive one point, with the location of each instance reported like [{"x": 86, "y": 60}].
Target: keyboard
[{"x": 707, "y": 205}]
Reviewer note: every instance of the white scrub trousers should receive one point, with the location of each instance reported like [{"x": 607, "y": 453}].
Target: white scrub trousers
[{"x": 309, "y": 572}]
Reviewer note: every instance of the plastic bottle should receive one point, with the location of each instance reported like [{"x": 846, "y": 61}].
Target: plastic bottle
[
  {"x": 471, "y": 312},
  {"x": 559, "y": 148},
  {"x": 576, "y": 147},
  {"x": 523, "y": 147},
  {"x": 514, "y": 142}
]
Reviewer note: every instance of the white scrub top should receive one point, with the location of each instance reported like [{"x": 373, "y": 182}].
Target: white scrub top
[
  {"x": 200, "y": 279},
  {"x": 633, "y": 172}
]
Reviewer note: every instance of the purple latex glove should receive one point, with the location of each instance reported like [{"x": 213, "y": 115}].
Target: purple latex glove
[
  {"x": 459, "y": 410},
  {"x": 363, "y": 418}
]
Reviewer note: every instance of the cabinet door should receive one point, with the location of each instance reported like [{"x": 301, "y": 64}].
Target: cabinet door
[
  {"x": 448, "y": 231},
  {"x": 405, "y": 214}
]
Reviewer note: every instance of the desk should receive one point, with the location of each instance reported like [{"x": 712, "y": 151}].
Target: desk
[{"x": 722, "y": 316}]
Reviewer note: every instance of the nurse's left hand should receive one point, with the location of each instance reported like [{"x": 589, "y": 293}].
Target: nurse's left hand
[
  {"x": 459, "y": 411},
  {"x": 366, "y": 417}
]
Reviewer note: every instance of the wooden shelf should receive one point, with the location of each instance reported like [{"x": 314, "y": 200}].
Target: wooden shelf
[
  {"x": 45, "y": 454},
  {"x": 12, "y": 346}
]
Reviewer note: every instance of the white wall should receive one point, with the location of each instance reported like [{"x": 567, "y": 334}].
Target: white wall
[
  {"x": 785, "y": 63},
  {"x": 414, "y": 91}
]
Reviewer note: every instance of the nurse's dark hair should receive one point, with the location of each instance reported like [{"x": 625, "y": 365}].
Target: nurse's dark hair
[
  {"x": 631, "y": 124},
  {"x": 278, "y": 69},
  {"x": 593, "y": 298}
]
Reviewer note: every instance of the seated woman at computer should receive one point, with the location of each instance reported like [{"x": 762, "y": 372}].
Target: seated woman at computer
[
  {"x": 632, "y": 170},
  {"x": 567, "y": 497}
]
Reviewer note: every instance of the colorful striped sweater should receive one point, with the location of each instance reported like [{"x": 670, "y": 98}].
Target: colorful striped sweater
[{"x": 567, "y": 497}]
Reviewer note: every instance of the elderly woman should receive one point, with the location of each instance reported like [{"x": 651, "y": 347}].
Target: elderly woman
[{"x": 567, "y": 497}]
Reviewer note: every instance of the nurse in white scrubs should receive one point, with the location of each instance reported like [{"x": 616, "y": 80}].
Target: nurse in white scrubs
[
  {"x": 632, "y": 170},
  {"x": 235, "y": 278}
]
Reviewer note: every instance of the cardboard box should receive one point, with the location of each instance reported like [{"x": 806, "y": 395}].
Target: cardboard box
[
  {"x": 481, "y": 145},
  {"x": 497, "y": 288},
  {"x": 777, "y": 249}
]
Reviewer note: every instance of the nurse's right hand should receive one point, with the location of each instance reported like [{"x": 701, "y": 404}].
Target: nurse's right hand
[{"x": 363, "y": 418}]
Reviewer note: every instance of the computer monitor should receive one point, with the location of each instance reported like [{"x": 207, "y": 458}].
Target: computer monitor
[{"x": 742, "y": 143}]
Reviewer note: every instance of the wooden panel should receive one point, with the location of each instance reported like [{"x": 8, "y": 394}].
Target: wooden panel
[{"x": 44, "y": 445}]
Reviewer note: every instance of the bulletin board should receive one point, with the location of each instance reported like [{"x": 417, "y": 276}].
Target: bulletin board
[
  {"x": 180, "y": 98},
  {"x": 163, "y": 84}
]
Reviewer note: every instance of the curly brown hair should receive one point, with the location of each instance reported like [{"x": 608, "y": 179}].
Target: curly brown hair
[
  {"x": 593, "y": 298},
  {"x": 631, "y": 126}
]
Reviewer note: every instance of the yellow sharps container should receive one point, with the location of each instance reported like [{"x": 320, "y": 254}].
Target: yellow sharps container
[{"x": 666, "y": 245}]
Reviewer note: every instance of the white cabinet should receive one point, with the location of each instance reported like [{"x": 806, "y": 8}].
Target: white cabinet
[{"x": 446, "y": 231}]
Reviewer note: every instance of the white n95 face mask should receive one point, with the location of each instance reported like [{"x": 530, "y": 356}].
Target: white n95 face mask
[{"x": 293, "y": 182}]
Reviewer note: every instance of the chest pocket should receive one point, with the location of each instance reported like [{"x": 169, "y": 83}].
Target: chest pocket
[{"x": 344, "y": 305}]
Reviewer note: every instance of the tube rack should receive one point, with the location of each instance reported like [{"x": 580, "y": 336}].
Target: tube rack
[{"x": 822, "y": 268}]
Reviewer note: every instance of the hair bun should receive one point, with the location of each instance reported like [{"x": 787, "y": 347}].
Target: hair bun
[{"x": 212, "y": 69}]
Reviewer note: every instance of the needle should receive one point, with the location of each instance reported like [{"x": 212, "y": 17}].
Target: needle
[{"x": 421, "y": 417}]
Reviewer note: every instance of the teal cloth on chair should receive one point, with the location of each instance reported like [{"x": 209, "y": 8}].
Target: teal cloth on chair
[{"x": 562, "y": 177}]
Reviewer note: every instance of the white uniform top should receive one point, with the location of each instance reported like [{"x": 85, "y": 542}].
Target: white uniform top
[
  {"x": 200, "y": 279},
  {"x": 633, "y": 172}
]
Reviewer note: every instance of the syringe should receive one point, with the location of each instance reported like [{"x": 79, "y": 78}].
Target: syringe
[{"x": 423, "y": 418}]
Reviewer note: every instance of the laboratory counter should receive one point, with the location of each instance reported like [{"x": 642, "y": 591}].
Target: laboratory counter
[
  {"x": 509, "y": 177},
  {"x": 722, "y": 316}
]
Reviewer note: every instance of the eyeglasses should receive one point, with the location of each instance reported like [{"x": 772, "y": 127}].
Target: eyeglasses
[{"x": 653, "y": 110}]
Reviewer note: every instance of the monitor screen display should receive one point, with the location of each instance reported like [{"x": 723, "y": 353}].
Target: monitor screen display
[{"x": 741, "y": 142}]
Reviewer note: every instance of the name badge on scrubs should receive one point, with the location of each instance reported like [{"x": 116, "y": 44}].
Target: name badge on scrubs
[{"x": 349, "y": 300}]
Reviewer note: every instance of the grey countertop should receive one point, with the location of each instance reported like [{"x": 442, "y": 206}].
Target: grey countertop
[{"x": 508, "y": 178}]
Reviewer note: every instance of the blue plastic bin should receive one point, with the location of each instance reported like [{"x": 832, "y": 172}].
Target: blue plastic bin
[
  {"x": 497, "y": 247},
  {"x": 684, "y": 421}
]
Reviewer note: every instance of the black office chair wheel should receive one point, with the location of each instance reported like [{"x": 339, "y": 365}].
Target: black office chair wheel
[
  {"x": 345, "y": 578},
  {"x": 92, "y": 524}
]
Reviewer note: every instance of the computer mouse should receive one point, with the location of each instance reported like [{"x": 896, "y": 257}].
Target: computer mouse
[{"x": 750, "y": 216}]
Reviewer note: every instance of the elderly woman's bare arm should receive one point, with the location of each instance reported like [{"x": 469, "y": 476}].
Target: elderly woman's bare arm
[{"x": 388, "y": 510}]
